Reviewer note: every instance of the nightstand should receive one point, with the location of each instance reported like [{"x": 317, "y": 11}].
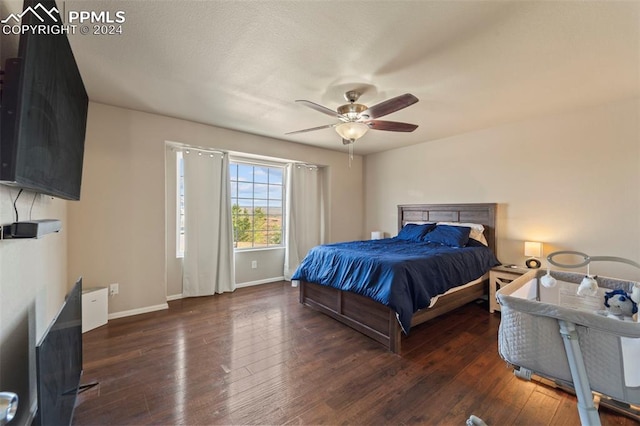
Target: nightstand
[{"x": 499, "y": 276}]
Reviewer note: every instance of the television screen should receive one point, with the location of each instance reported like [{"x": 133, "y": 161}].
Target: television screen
[
  {"x": 44, "y": 111},
  {"x": 59, "y": 362}
]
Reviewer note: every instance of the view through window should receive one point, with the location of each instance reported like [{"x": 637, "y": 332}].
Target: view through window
[{"x": 256, "y": 200}]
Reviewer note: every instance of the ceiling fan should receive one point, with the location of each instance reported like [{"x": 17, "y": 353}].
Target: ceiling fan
[{"x": 356, "y": 119}]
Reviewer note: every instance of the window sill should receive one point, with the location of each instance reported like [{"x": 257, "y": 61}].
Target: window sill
[{"x": 247, "y": 250}]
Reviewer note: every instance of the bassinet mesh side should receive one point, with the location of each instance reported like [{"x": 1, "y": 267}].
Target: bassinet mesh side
[
  {"x": 529, "y": 337},
  {"x": 533, "y": 342}
]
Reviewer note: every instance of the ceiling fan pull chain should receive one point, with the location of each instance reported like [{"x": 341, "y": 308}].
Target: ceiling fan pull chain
[{"x": 350, "y": 153}]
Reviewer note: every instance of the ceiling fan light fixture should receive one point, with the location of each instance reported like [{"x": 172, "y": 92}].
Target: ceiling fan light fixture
[{"x": 352, "y": 130}]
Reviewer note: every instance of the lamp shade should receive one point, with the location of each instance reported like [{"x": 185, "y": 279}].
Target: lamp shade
[
  {"x": 352, "y": 130},
  {"x": 532, "y": 249}
]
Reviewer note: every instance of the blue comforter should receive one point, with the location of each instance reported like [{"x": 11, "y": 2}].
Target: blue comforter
[{"x": 403, "y": 275}]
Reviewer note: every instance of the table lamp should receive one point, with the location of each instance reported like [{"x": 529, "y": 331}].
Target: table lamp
[{"x": 533, "y": 250}]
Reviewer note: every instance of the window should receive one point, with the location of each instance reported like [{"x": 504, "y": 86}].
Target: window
[
  {"x": 257, "y": 193},
  {"x": 180, "y": 206},
  {"x": 257, "y": 196}
]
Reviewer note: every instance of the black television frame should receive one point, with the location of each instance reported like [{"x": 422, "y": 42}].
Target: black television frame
[
  {"x": 59, "y": 362},
  {"x": 43, "y": 112}
]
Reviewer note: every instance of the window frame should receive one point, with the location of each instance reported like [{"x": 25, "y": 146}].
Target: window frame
[{"x": 258, "y": 164}]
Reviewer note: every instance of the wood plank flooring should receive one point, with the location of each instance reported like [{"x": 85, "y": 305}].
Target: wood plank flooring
[{"x": 256, "y": 356}]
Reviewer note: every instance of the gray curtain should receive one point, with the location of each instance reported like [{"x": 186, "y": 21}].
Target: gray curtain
[
  {"x": 305, "y": 214},
  {"x": 208, "y": 264}
]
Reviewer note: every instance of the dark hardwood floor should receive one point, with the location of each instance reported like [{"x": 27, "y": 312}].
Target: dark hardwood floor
[{"x": 256, "y": 356}]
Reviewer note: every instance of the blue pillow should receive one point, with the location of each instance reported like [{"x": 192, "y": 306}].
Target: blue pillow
[
  {"x": 452, "y": 236},
  {"x": 414, "y": 232}
]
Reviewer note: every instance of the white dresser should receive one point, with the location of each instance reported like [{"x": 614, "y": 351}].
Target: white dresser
[{"x": 94, "y": 307}]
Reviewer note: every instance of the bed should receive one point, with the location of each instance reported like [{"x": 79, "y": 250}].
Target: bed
[{"x": 377, "y": 320}]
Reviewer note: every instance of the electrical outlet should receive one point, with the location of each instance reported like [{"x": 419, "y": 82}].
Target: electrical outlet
[
  {"x": 113, "y": 289},
  {"x": 254, "y": 264}
]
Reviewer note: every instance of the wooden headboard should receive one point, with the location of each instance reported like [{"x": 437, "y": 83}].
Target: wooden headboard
[{"x": 484, "y": 214}]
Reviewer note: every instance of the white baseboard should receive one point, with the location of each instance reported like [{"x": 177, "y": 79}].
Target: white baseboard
[
  {"x": 174, "y": 297},
  {"x": 265, "y": 281},
  {"x": 239, "y": 285},
  {"x": 138, "y": 311}
]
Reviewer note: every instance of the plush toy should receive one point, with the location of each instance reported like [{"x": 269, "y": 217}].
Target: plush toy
[
  {"x": 635, "y": 293},
  {"x": 619, "y": 305},
  {"x": 635, "y": 296},
  {"x": 588, "y": 286}
]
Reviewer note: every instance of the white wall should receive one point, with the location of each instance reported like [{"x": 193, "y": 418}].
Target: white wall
[
  {"x": 119, "y": 227},
  {"x": 569, "y": 180},
  {"x": 33, "y": 284},
  {"x": 270, "y": 266}
]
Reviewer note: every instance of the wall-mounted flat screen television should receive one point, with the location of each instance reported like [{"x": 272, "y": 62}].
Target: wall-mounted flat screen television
[
  {"x": 59, "y": 363},
  {"x": 44, "y": 110}
]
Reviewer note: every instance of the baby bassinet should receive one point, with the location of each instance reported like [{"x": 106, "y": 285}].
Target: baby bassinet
[{"x": 556, "y": 334}]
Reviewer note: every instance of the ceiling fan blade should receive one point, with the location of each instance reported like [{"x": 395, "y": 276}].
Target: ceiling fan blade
[
  {"x": 319, "y": 108},
  {"x": 328, "y": 126},
  {"x": 392, "y": 126},
  {"x": 389, "y": 106}
]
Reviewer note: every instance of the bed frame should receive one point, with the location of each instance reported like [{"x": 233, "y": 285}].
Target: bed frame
[{"x": 378, "y": 321}]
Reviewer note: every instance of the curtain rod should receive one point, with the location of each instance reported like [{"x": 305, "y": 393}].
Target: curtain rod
[
  {"x": 205, "y": 151},
  {"x": 181, "y": 147},
  {"x": 256, "y": 161},
  {"x": 238, "y": 158},
  {"x": 307, "y": 165},
  {"x": 249, "y": 160}
]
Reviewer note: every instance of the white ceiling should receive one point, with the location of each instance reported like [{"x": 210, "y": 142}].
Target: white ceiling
[{"x": 473, "y": 65}]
